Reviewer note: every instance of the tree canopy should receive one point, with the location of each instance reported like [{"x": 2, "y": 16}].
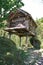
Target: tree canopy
[{"x": 7, "y": 5}]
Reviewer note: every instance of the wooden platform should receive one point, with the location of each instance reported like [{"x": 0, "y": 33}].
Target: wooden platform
[{"x": 19, "y": 31}]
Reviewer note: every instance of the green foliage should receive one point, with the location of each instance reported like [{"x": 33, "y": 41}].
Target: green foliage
[
  {"x": 9, "y": 54},
  {"x": 35, "y": 42},
  {"x": 3, "y": 24},
  {"x": 39, "y": 30},
  {"x": 8, "y": 5}
]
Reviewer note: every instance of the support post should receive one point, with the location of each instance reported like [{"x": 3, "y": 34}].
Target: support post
[
  {"x": 20, "y": 42},
  {"x": 26, "y": 41},
  {"x": 9, "y": 35}
]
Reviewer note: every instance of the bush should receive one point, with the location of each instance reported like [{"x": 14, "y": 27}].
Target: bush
[
  {"x": 9, "y": 54},
  {"x": 35, "y": 42}
]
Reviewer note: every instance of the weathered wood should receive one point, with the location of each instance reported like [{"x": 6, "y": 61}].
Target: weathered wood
[
  {"x": 19, "y": 31},
  {"x": 26, "y": 39},
  {"x": 22, "y": 23},
  {"x": 20, "y": 41},
  {"x": 9, "y": 35},
  {"x": 18, "y": 19}
]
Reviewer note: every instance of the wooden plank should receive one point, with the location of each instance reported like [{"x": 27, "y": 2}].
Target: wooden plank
[
  {"x": 18, "y": 19},
  {"x": 19, "y": 31}
]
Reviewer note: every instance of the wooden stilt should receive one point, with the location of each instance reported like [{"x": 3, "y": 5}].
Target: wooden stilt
[
  {"x": 9, "y": 36},
  {"x": 20, "y": 42},
  {"x": 26, "y": 41},
  {"x": 4, "y": 34}
]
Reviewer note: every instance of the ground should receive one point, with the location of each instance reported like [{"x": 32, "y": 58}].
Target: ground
[{"x": 34, "y": 57}]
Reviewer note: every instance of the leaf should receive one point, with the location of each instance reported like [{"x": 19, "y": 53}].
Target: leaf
[{"x": 7, "y": 5}]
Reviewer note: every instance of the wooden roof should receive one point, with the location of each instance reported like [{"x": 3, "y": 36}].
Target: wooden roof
[{"x": 24, "y": 13}]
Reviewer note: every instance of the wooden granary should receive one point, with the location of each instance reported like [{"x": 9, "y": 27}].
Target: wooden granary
[{"x": 21, "y": 23}]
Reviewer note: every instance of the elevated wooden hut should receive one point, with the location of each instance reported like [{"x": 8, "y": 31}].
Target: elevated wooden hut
[{"x": 21, "y": 23}]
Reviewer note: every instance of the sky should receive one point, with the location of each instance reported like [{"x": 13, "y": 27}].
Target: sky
[{"x": 34, "y": 7}]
